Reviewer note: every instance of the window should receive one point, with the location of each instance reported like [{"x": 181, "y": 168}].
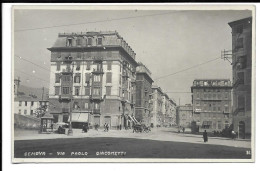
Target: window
[
  {"x": 77, "y": 78},
  {"x": 226, "y": 124},
  {"x": 58, "y": 66},
  {"x": 25, "y": 111},
  {"x": 239, "y": 29},
  {"x": 87, "y": 77},
  {"x": 57, "y": 78},
  {"x": 78, "y": 41},
  {"x": 226, "y": 109},
  {"x": 241, "y": 102},
  {"x": 69, "y": 42},
  {"x": 20, "y": 103},
  {"x": 58, "y": 55},
  {"x": 77, "y": 91},
  {"x": 76, "y": 105},
  {"x": 214, "y": 96},
  {"x": 240, "y": 43},
  {"x": 96, "y": 105},
  {"x": 96, "y": 91},
  {"x": 32, "y": 103},
  {"x": 65, "y": 118},
  {"x": 120, "y": 79},
  {"x": 20, "y": 111},
  {"x": 226, "y": 95},
  {"x": 219, "y": 96},
  {"x": 109, "y": 77},
  {"x": 57, "y": 90},
  {"x": 65, "y": 90},
  {"x": 240, "y": 77},
  {"x": 86, "y": 106},
  {"x": 109, "y": 65},
  {"x": 79, "y": 55},
  {"x": 87, "y": 91},
  {"x": 219, "y": 124},
  {"x": 88, "y": 65},
  {"x": 89, "y": 41},
  {"x": 99, "y": 41},
  {"x": 31, "y": 112},
  {"x": 205, "y": 95},
  {"x": 109, "y": 54},
  {"x": 78, "y": 66},
  {"x": 25, "y": 103},
  {"x": 97, "y": 78},
  {"x": 66, "y": 78},
  {"x": 108, "y": 90}
]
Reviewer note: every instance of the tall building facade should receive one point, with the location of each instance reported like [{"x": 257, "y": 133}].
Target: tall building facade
[
  {"x": 211, "y": 101},
  {"x": 170, "y": 117},
  {"x": 93, "y": 77},
  {"x": 242, "y": 75},
  {"x": 143, "y": 90},
  {"x": 156, "y": 101},
  {"x": 184, "y": 115}
]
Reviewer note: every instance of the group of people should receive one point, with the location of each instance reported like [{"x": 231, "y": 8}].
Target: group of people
[
  {"x": 205, "y": 135},
  {"x": 85, "y": 127}
]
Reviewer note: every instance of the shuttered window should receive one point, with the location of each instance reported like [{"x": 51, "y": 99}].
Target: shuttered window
[
  {"x": 87, "y": 77},
  {"x": 57, "y": 78},
  {"x": 241, "y": 102},
  {"x": 109, "y": 65},
  {"x": 109, "y": 77},
  {"x": 57, "y": 90}
]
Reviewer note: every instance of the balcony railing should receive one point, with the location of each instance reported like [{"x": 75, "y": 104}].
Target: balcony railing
[
  {"x": 96, "y": 111},
  {"x": 98, "y": 71},
  {"x": 65, "y": 97},
  {"x": 98, "y": 59}
]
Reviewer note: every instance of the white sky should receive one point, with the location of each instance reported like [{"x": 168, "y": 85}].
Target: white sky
[{"x": 164, "y": 43}]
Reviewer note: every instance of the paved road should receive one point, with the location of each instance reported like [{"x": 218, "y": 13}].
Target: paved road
[{"x": 160, "y": 143}]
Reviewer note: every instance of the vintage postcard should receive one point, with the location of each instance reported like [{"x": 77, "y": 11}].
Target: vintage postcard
[{"x": 132, "y": 83}]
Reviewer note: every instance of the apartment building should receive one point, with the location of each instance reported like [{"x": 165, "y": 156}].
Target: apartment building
[
  {"x": 156, "y": 102},
  {"x": 184, "y": 115},
  {"x": 211, "y": 101},
  {"x": 242, "y": 75},
  {"x": 143, "y": 90},
  {"x": 93, "y": 78}
]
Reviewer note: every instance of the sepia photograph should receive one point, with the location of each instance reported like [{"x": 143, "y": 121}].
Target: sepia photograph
[{"x": 159, "y": 83}]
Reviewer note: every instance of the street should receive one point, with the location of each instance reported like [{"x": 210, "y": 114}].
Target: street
[{"x": 160, "y": 143}]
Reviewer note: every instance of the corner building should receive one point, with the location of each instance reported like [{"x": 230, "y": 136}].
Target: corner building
[
  {"x": 242, "y": 75},
  {"x": 93, "y": 76},
  {"x": 211, "y": 102}
]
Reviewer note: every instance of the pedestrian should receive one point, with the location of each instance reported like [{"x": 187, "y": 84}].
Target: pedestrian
[
  {"x": 205, "y": 136},
  {"x": 107, "y": 127},
  {"x": 183, "y": 129},
  {"x": 233, "y": 134},
  {"x": 120, "y": 126}
]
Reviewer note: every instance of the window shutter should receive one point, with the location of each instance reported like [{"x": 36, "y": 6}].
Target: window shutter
[{"x": 109, "y": 77}]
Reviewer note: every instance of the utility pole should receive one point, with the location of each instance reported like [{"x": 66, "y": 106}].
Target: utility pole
[{"x": 70, "y": 132}]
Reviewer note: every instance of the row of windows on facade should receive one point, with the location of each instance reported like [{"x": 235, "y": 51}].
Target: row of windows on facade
[
  {"x": 77, "y": 78},
  {"x": 88, "y": 66},
  {"x": 89, "y": 41},
  {"x": 213, "y": 115},
  {"x": 25, "y": 103},
  {"x": 87, "y": 55},
  {"x": 25, "y": 112},
  {"x": 87, "y": 105},
  {"x": 94, "y": 91},
  {"x": 212, "y": 108},
  {"x": 211, "y": 83},
  {"x": 214, "y": 125},
  {"x": 211, "y": 95}
]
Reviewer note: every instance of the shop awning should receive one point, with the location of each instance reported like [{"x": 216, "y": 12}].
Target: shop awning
[{"x": 79, "y": 117}]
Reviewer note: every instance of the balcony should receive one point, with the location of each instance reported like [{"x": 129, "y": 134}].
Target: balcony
[
  {"x": 95, "y": 97},
  {"x": 65, "y": 110},
  {"x": 96, "y": 111},
  {"x": 65, "y": 97},
  {"x": 98, "y": 59},
  {"x": 68, "y": 70},
  {"x": 97, "y": 71}
]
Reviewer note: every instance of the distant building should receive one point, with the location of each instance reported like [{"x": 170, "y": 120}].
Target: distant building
[
  {"x": 170, "y": 117},
  {"x": 143, "y": 90},
  {"x": 27, "y": 104},
  {"x": 242, "y": 69},
  {"x": 102, "y": 90},
  {"x": 184, "y": 115},
  {"x": 156, "y": 102},
  {"x": 211, "y": 101}
]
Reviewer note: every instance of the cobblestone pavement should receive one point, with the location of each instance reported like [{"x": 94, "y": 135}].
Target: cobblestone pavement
[{"x": 159, "y": 134}]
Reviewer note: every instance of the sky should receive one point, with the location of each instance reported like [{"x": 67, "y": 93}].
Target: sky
[{"x": 166, "y": 43}]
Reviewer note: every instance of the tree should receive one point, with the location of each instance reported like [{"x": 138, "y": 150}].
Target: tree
[{"x": 40, "y": 111}]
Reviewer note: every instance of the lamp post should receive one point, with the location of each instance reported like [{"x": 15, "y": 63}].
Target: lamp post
[{"x": 70, "y": 132}]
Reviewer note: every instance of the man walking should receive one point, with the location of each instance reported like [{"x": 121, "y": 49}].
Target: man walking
[{"x": 205, "y": 136}]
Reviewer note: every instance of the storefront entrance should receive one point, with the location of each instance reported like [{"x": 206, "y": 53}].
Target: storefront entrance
[{"x": 241, "y": 130}]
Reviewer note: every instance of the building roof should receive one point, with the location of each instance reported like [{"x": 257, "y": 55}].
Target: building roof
[{"x": 237, "y": 22}]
